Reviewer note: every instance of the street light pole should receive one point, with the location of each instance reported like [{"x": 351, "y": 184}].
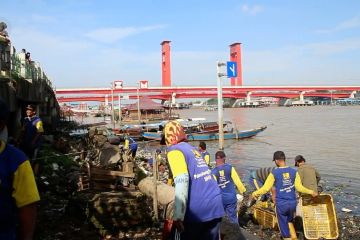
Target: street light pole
[
  {"x": 112, "y": 104},
  {"x": 331, "y": 98},
  {"x": 220, "y": 105},
  {"x": 119, "y": 108},
  {"x": 138, "y": 104}
]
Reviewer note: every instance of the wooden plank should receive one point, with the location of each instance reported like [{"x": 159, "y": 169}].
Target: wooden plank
[
  {"x": 102, "y": 186},
  {"x": 111, "y": 173},
  {"x": 84, "y": 182},
  {"x": 82, "y": 186},
  {"x": 103, "y": 176},
  {"x": 103, "y": 180}
]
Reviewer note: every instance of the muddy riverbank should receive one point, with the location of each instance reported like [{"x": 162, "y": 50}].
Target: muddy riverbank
[
  {"x": 62, "y": 215},
  {"x": 64, "y": 211}
]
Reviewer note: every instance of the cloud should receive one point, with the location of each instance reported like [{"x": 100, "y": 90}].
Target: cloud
[
  {"x": 251, "y": 10},
  {"x": 47, "y": 44},
  {"x": 111, "y": 35},
  {"x": 333, "y": 47},
  {"x": 348, "y": 24}
]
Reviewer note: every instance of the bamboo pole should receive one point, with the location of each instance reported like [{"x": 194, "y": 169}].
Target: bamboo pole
[{"x": 155, "y": 177}]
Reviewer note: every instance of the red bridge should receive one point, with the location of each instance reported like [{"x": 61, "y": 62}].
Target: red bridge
[
  {"x": 166, "y": 93},
  {"x": 236, "y": 90}
]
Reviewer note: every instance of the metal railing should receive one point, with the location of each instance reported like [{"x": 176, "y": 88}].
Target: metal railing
[{"x": 23, "y": 68}]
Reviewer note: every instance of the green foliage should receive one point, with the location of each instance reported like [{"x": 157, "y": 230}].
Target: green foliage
[{"x": 50, "y": 156}]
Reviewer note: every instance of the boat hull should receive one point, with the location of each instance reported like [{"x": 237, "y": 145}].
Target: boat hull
[{"x": 210, "y": 136}]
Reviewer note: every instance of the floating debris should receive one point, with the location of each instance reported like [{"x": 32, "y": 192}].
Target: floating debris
[{"x": 346, "y": 210}]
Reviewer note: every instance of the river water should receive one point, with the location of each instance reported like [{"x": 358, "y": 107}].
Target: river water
[{"x": 327, "y": 136}]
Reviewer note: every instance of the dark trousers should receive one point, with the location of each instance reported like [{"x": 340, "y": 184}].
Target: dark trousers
[
  {"x": 202, "y": 230},
  {"x": 231, "y": 212},
  {"x": 285, "y": 211},
  {"x": 29, "y": 151}
]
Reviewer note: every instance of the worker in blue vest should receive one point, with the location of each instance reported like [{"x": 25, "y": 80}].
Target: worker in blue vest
[
  {"x": 132, "y": 145},
  {"x": 18, "y": 191},
  {"x": 229, "y": 183},
  {"x": 204, "y": 153},
  {"x": 286, "y": 181},
  {"x": 198, "y": 202},
  {"x": 32, "y": 131}
]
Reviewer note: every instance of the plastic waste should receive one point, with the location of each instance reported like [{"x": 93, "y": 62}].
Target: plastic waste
[
  {"x": 346, "y": 210},
  {"x": 239, "y": 198},
  {"x": 250, "y": 202}
]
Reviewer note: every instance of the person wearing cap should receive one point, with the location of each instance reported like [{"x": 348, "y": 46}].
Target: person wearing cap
[
  {"x": 198, "y": 202},
  {"x": 18, "y": 191},
  {"x": 229, "y": 183},
  {"x": 204, "y": 153},
  {"x": 310, "y": 177},
  {"x": 32, "y": 131},
  {"x": 286, "y": 180}
]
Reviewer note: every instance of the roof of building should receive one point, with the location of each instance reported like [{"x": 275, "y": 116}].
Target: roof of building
[{"x": 146, "y": 104}]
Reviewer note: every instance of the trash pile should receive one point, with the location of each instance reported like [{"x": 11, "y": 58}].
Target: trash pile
[{"x": 69, "y": 212}]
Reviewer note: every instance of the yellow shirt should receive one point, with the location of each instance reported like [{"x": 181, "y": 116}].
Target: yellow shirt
[{"x": 24, "y": 186}]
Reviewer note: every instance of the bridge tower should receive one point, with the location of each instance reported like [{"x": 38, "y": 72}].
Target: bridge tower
[
  {"x": 235, "y": 56},
  {"x": 165, "y": 63}
]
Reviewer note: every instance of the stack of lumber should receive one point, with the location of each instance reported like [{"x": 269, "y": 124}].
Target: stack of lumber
[{"x": 120, "y": 213}]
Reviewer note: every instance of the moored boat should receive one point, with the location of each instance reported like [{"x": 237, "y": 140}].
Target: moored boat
[{"x": 210, "y": 136}]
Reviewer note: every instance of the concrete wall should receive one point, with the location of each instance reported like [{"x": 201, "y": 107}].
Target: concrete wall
[{"x": 19, "y": 92}]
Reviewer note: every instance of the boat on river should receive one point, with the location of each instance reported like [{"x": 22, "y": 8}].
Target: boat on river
[
  {"x": 234, "y": 134},
  {"x": 190, "y": 125}
]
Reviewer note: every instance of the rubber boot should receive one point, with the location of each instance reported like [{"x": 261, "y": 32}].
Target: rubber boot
[
  {"x": 292, "y": 231},
  {"x": 167, "y": 229}
]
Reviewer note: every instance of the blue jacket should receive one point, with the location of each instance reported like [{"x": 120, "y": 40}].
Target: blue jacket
[
  {"x": 225, "y": 182},
  {"x": 204, "y": 196},
  {"x": 10, "y": 159}
]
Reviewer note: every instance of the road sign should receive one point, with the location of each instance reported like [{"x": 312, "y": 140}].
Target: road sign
[
  {"x": 118, "y": 84},
  {"x": 144, "y": 84},
  {"x": 231, "y": 68}
]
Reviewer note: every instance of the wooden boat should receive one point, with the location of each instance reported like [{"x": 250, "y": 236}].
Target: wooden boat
[
  {"x": 203, "y": 127},
  {"x": 210, "y": 136},
  {"x": 190, "y": 125}
]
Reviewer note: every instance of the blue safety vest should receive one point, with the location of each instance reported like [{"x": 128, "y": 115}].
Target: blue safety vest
[
  {"x": 31, "y": 130},
  {"x": 133, "y": 144},
  {"x": 225, "y": 182},
  {"x": 10, "y": 159},
  {"x": 205, "y": 153},
  {"x": 285, "y": 183},
  {"x": 204, "y": 196}
]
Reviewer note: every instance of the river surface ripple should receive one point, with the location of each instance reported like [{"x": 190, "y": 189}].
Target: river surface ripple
[{"x": 327, "y": 136}]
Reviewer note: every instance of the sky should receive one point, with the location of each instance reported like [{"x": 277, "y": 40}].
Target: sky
[{"x": 84, "y": 43}]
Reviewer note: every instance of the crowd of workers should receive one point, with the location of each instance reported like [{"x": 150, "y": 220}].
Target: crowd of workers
[{"x": 203, "y": 196}]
